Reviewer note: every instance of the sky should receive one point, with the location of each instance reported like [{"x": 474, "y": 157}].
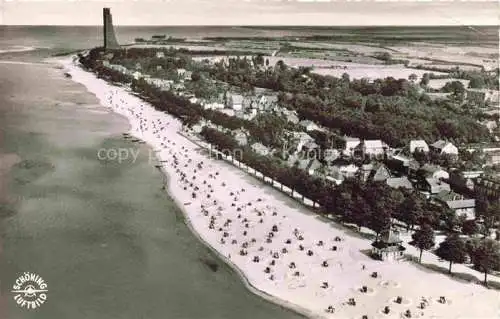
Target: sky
[{"x": 251, "y": 12}]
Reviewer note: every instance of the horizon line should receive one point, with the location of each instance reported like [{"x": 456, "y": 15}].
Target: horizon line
[{"x": 256, "y": 25}]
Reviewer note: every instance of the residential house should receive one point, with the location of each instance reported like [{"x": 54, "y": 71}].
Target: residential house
[
  {"x": 434, "y": 171},
  {"x": 458, "y": 203},
  {"x": 265, "y": 102},
  {"x": 313, "y": 166},
  {"x": 399, "y": 182},
  {"x": 291, "y": 116},
  {"x": 260, "y": 149},
  {"x": 334, "y": 174},
  {"x": 213, "y": 106},
  {"x": 434, "y": 186},
  {"x": 371, "y": 148},
  {"x": 235, "y": 101},
  {"x": 418, "y": 146},
  {"x": 351, "y": 143},
  {"x": 160, "y": 54},
  {"x": 492, "y": 158},
  {"x": 310, "y": 146},
  {"x": 348, "y": 171},
  {"x": 331, "y": 154},
  {"x": 488, "y": 186},
  {"x": 309, "y": 125},
  {"x": 298, "y": 140},
  {"x": 241, "y": 137},
  {"x": 444, "y": 147},
  {"x": 137, "y": 75},
  {"x": 379, "y": 173},
  {"x": 376, "y": 172}
]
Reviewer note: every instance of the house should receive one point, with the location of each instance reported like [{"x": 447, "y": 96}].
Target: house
[
  {"x": 434, "y": 186},
  {"x": 213, "y": 106},
  {"x": 388, "y": 246},
  {"x": 399, "y": 182},
  {"x": 265, "y": 102},
  {"x": 241, "y": 137},
  {"x": 418, "y": 146},
  {"x": 379, "y": 173},
  {"x": 333, "y": 174},
  {"x": 310, "y": 146},
  {"x": 458, "y": 203},
  {"x": 291, "y": 116},
  {"x": 235, "y": 101},
  {"x": 299, "y": 140},
  {"x": 260, "y": 149},
  {"x": 330, "y": 154},
  {"x": 376, "y": 172},
  {"x": 313, "y": 166},
  {"x": 351, "y": 143},
  {"x": 434, "y": 171},
  {"x": 160, "y": 54},
  {"x": 492, "y": 158},
  {"x": 348, "y": 171},
  {"x": 370, "y": 148},
  {"x": 137, "y": 75},
  {"x": 309, "y": 125},
  {"x": 444, "y": 147}
]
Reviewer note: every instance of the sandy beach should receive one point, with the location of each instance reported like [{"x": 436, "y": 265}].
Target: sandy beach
[{"x": 283, "y": 251}]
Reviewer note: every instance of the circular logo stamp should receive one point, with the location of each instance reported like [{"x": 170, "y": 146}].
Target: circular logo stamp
[{"x": 30, "y": 291}]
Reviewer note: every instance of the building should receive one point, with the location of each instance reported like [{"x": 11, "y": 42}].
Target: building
[
  {"x": 351, "y": 143},
  {"x": 241, "y": 137},
  {"x": 110, "y": 41},
  {"x": 418, "y": 146},
  {"x": 370, "y": 148},
  {"x": 309, "y": 125},
  {"x": 458, "y": 203},
  {"x": 488, "y": 186},
  {"x": 434, "y": 171},
  {"x": 260, "y": 149},
  {"x": 492, "y": 158},
  {"x": 160, "y": 54},
  {"x": 444, "y": 147},
  {"x": 374, "y": 172},
  {"x": 388, "y": 246},
  {"x": 399, "y": 182},
  {"x": 434, "y": 186},
  {"x": 235, "y": 101}
]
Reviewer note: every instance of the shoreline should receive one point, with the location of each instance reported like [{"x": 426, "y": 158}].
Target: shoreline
[{"x": 286, "y": 290}]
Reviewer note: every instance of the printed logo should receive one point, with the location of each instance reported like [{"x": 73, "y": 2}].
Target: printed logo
[{"x": 30, "y": 291}]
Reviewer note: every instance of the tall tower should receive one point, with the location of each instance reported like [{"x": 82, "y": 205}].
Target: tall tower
[{"x": 109, "y": 32}]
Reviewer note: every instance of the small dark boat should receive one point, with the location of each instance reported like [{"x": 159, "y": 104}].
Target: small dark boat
[{"x": 66, "y": 74}]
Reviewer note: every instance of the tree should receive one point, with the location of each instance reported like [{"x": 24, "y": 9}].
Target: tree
[
  {"x": 423, "y": 239},
  {"x": 486, "y": 257},
  {"x": 453, "y": 250},
  {"x": 413, "y": 77},
  {"x": 425, "y": 79},
  {"x": 195, "y": 76},
  {"x": 491, "y": 216},
  {"x": 380, "y": 221},
  {"x": 469, "y": 227},
  {"x": 411, "y": 211}
]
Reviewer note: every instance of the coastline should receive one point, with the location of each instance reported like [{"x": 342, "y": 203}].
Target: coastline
[{"x": 255, "y": 282}]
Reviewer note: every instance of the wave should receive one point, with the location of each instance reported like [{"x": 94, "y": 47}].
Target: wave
[{"x": 18, "y": 48}]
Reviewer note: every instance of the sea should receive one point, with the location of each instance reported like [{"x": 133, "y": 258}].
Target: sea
[{"x": 105, "y": 237}]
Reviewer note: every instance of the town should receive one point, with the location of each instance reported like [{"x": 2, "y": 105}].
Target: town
[{"x": 408, "y": 162}]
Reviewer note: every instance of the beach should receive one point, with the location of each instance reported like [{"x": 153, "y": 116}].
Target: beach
[
  {"x": 103, "y": 235},
  {"x": 284, "y": 252}
]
